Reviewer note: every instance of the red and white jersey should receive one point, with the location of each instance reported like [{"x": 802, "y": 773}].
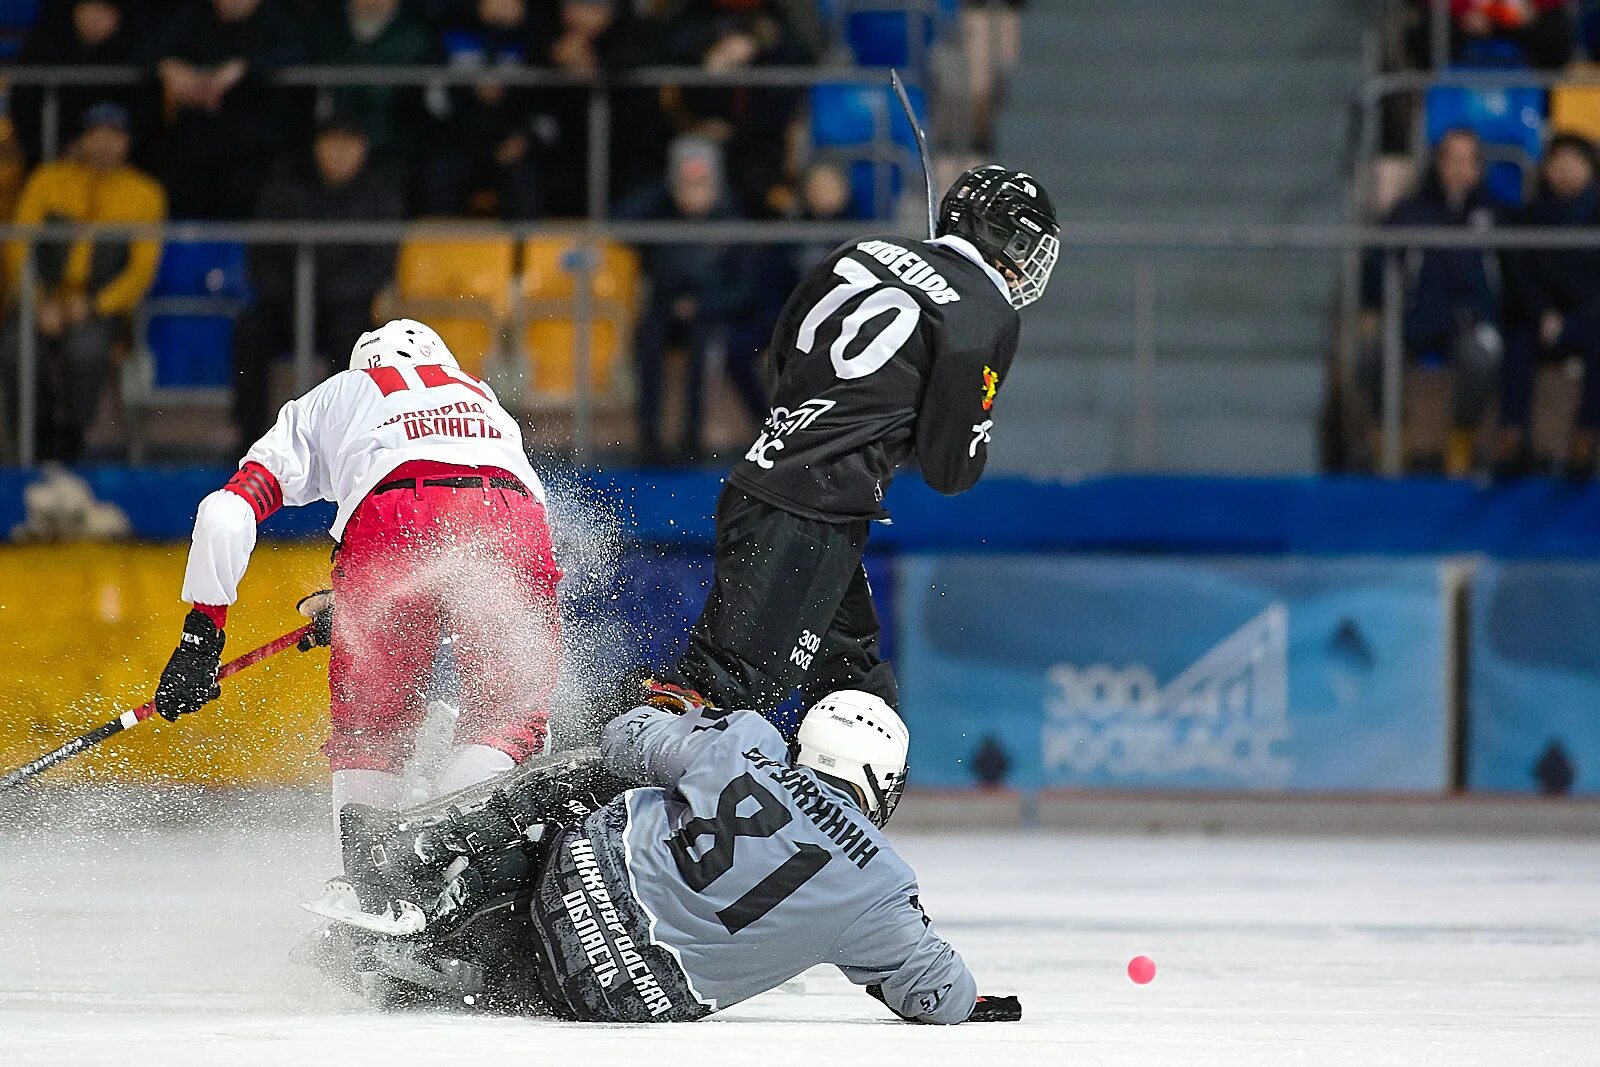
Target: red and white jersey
[
  {"x": 340, "y": 439},
  {"x": 337, "y": 442}
]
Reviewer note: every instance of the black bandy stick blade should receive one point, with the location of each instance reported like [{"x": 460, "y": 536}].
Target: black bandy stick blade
[{"x": 922, "y": 145}]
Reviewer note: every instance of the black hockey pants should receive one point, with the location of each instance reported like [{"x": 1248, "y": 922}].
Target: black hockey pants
[{"x": 790, "y": 607}]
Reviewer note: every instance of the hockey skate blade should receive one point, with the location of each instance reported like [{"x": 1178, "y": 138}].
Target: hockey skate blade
[{"x": 340, "y": 904}]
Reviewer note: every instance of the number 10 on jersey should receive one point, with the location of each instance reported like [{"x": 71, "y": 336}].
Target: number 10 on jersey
[{"x": 880, "y": 349}]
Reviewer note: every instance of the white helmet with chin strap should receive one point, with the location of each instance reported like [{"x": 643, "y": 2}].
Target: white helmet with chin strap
[
  {"x": 855, "y": 740},
  {"x": 399, "y": 342}
]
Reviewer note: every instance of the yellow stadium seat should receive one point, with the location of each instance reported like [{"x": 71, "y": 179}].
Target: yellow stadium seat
[
  {"x": 1576, "y": 109},
  {"x": 551, "y": 350},
  {"x": 462, "y": 288},
  {"x": 549, "y": 306}
]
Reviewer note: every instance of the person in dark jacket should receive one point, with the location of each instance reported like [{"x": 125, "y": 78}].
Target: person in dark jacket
[
  {"x": 589, "y": 39},
  {"x": 225, "y": 123},
  {"x": 751, "y": 124},
  {"x": 1553, "y": 298},
  {"x": 338, "y": 184},
  {"x": 696, "y": 289},
  {"x": 83, "y": 33},
  {"x": 487, "y": 139},
  {"x": 351, "y": 33},
  {"x": 1452, "y": 299}
]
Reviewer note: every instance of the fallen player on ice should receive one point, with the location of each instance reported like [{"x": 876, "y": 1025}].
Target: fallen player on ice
[{"x": 693, "y": 862}]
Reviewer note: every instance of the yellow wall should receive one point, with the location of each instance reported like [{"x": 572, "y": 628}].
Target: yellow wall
[{"x": 85, "y": 631}]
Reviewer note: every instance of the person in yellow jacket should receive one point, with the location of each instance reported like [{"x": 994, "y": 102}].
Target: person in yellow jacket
[{"x": 88, "y": 289}]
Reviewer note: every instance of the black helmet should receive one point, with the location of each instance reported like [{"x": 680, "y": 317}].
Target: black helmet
[{"x": 1007, "y": 216}]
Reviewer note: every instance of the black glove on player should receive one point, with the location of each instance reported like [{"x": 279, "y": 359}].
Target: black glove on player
[
  {"x": 318, "y": 607},
  {"x": 189, "y": 682}
]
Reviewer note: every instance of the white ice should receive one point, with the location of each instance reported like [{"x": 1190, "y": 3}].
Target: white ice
[{"x": 168, "y": 944}]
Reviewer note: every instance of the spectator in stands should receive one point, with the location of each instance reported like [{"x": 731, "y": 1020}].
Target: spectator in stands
[
  {"x": 1553, "y": 299},
  {"x": 991, "y": 32},
  {"x": 225, "y": 124},
  {"x": 1544, "y": 30},
  {"x": 337, "y": 183},
  {"x": 354, "y": 33},
  {"x": 696, "y": 290},
  {"x": 751, "y": 124},
  {"x": 82, "y": 33},
  {"x": 1452, "y": 303},
  {"x": 87, "y": 290},
  {"x": 587, "y": 38},
  {"x": 485, "y": 151}
]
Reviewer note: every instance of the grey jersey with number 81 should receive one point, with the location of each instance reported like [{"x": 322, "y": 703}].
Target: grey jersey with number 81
[{"x": 752, "y": 870}]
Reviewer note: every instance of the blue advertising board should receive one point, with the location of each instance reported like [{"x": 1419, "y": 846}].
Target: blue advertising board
[
  {"x": 1533, "y": 711},
  {"x": 631, "y": 606},
  {"x": 1273, "y": 674}
]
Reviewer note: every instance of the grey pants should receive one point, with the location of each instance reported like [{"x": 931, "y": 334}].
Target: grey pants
[{"x": 71, "y": 372}]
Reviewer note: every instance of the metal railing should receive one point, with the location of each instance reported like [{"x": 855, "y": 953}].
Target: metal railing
[
  {"x": 600, "y": 89},
  {"x": 1346, "y": 241},
  {"x": 1143, "y": 240}
]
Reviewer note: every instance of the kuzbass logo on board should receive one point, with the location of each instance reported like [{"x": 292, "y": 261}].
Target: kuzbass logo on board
[
  {"x": 991, "y": 385},
  {"x": 1222, "y": 716}
]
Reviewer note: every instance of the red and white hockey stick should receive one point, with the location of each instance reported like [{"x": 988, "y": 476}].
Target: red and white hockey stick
[{"x": 139, "y": 714}]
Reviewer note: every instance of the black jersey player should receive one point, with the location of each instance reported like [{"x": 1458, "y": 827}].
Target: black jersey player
[{"x": 888, "y": 353}]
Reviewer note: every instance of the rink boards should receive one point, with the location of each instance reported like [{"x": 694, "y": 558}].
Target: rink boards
[{"x": 1034, "y": 671}]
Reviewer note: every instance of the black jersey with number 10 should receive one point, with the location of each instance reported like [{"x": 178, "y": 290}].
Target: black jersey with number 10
[{"x": 889, "y": 352}]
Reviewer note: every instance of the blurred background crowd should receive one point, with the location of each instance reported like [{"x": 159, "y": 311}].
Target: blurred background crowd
[
  {"x": 194, "y": 125},
  {"x": 285, "y": 111}
]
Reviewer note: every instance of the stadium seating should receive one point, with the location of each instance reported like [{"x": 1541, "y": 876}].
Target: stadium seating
[
  {"x": 845, "y": 119},
  {"x": 183, "y": 334},
  {"x": 1510, "y": 121},
  {"x": 16, "y": 19},
  {"x": 186, "y": 321},
  {"x": 1576, "y": 109},
  {"x": 460, "y": 287},
  {"x": 548, "y": 306}
]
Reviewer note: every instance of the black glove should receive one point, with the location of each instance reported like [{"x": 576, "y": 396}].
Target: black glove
[
  {"x": 996, "y": 1010},
  {"x": 318, "y": 607},
  {"x": 189, "y": 682}
]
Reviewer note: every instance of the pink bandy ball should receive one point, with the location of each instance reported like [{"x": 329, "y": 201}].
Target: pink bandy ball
[{"x": 1142, "y": 969}]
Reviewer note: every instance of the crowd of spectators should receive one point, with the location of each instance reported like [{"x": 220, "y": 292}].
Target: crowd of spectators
[
  {"x": 1495, "y": 317},
  {"x": 207, "y": 133}
]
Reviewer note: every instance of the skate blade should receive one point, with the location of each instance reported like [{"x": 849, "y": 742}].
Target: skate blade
[{"x": 340, "y": 904}]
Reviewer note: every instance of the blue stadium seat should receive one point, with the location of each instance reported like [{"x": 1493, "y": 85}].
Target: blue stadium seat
[
  {"x": 1510, "y": 121},
  {"x": 846, "y": 114},
  {"x": 844, "y": 118},
  {"x": 889, "y": 38},
  {"x": 1491, "y": 54},
  {"x": 19, "y": 14},
  {"x": 864, "y": 192},
  {"x": 16, "y": 19},
  {"x": 199, "y": 289}
]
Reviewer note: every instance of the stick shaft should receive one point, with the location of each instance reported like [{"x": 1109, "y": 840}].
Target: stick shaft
[
  {"x": 922, "y": 148},
  {"x": 134, "y": 717}
]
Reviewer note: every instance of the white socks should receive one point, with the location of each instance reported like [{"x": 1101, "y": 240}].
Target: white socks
[
  {"x": 378, "y": 789},
  {"x": 469, "y": 765}
]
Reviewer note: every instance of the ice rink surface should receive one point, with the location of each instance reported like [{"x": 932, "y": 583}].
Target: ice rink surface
[{"x": 136, "y": 945}]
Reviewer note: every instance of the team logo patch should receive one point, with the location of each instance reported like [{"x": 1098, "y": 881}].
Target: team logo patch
[
  {"x": 780, "y": 424},
  {"x": 991, "y": 385}
]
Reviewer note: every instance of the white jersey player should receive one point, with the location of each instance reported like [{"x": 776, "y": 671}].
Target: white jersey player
[{"x": 441, "y": 531}]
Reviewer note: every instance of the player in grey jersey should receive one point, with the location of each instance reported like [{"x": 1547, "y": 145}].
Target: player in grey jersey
[{"x": 724, "y": 865}]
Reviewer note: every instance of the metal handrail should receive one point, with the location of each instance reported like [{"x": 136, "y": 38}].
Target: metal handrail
[
  {"x": 306, "y": 75},
  {"x": 1134, "y": 236}
]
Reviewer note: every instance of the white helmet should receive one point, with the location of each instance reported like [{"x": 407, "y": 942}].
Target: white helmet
[
  {"x": 856, "y": 739},
  {"x": 398, "y": 342}
]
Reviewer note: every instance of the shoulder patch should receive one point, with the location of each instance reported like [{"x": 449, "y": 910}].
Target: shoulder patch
[{"x": 991, "y": 385}]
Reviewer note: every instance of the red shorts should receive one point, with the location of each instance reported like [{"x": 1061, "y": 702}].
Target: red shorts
[{"x": 420, "y": 565}]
